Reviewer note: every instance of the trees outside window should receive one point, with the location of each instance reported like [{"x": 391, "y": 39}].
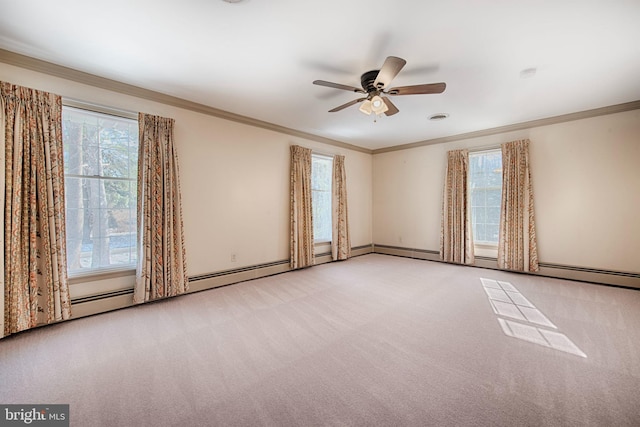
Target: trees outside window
[
  {"x": 101, "y": 160},
  {"x": 485, "y": 182},
  {"x": 321, "y": 171}
]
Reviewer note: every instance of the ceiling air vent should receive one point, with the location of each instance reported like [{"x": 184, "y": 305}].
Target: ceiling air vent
[{"x": 439, "y": 116}]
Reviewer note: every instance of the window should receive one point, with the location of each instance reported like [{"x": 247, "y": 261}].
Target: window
[
  {"x": 100, "y": 165},
  {"x": 321, "y": 171},
  {"x": 485, "y": 181}
]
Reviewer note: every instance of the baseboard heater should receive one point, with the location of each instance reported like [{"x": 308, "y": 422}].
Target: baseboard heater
[
  {"x": 559, "y": 271},
  {"x": 114, "y": 300},
  {"x": 97, "y": 297},
  {"x": 590, "y": 270},
  {"x": 237, "y": 270}
]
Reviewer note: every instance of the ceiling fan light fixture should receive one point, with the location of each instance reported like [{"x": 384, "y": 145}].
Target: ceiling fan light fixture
[
  {"x": 378, "y": 106},
  {"x": 365, "y": 107}
]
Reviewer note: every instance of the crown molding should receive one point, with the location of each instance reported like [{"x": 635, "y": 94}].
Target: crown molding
[
  {"x": 55, "y": 70},
  {"x": 67, "y": 73},
  {"x": 618, "y": 108}
]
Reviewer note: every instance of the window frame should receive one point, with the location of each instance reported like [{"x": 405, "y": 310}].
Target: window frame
[{"x": 107, "y": 272}]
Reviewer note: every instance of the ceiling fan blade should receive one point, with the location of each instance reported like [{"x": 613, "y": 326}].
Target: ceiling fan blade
[
  {"x": 348, "y": 104},
  {"x": 338, "y": 86},
  {"x": 392, "y": 108},
  {"x": 418, "y": 89},
  {"x": 391, "y": 67}
]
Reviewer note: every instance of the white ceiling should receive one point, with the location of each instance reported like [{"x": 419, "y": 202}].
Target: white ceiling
[{"x": 258, "y": 58}]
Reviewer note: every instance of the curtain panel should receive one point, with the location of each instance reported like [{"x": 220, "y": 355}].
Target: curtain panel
[
  {"x": 456, "y": 236},
  {"x": 162, "y": 266},
  {"x": 301, "y": 238},
  {"x": 35, "y": 285},
  {"x": 340, "y": 240},
  {"x": 517, "y": 246}
]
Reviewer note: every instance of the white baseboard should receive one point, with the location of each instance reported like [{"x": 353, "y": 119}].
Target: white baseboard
[
  {"x": 89, "y": 305},
  {"x": 593, "y": 275}
]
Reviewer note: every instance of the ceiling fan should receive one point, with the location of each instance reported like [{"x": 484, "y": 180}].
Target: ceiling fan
[{"x": 374, "y": 86}]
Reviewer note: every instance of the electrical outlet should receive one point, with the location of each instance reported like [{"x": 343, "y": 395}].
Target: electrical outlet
[{"x": 233, "y": 257}]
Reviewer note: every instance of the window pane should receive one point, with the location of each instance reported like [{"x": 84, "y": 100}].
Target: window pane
[
  {"x": 321, "y": 215},
  {"x": 493, "y": 197},
  {"x": 89, "y": 160},
  {"x": 478, "y": 215},
  {"x": 122, "y": 236},
  {"x": 485, "y": 183},
  {"x": 100, "y": 188},
  {"x": 118, "y": 193},
  {"x": 479, "y": 234},
  {"x": 492, "y": 231},
  {"x": 321, "y": 170},
  {"x": 321, "y": 173},
  {"x": 493, "y": 216},
  {"x": 115, "y": 162}
]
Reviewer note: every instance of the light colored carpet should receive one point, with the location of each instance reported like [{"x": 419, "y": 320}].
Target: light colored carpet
[{"x": 375, "y": 340}]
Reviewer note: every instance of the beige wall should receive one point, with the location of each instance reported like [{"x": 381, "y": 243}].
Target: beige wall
[
  {"x": 235, "y": 182},
  {"x": 586, "y": 178},
  {"x": 234, "y": 177},
  {"x": 236, "y": 192}
]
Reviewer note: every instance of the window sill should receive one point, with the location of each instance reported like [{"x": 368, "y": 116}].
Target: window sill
[
  {"x": 485, "y": 250},
  {"x": 100, "y": 275},
  {"x": 486, "y": 245}
]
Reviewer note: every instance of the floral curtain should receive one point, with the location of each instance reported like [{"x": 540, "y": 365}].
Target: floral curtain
[
  {"x": 301, "y": 242},
  {"x": 456, "y": 236},
  {"x": 3, "y": 132},
  {"x": 340, "y": 240},
  {"x": 517, "y": 247},
  {"x": 35, "y": 286},
  {"x": 162, "y": 264}
]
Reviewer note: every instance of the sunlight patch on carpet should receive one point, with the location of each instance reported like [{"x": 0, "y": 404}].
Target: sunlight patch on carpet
[{"x": 519, "y": 318}]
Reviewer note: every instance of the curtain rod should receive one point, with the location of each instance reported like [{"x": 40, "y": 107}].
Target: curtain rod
[
  {"x": 76, "y": 103},
  {"x": 484, "y": 148},
  {"x": 318, "y": 153}
]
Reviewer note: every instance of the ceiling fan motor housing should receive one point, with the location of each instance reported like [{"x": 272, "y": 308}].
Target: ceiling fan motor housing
[{"x": 367, "y": 80}]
